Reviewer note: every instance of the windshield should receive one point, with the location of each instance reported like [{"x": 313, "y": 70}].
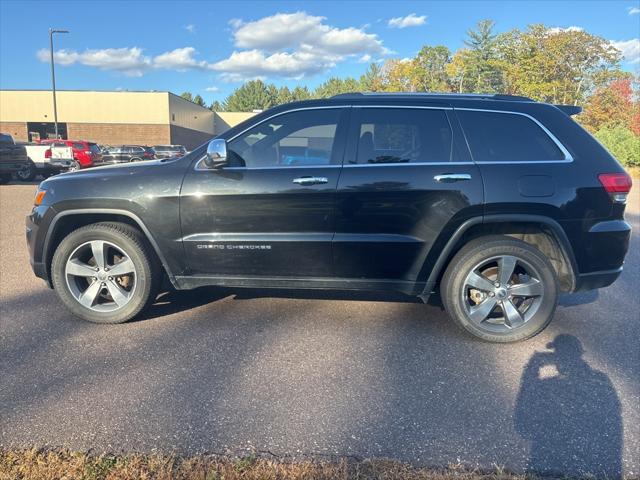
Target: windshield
[
  {"x": 94, "y": 148},
  {"x": 6, "y": 139}
]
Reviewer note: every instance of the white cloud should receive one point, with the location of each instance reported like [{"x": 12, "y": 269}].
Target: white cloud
[
  {"x": 555, "y": 30},
  {"x": 129, "y": 61},
  {"x": 285, "y": 45},
  {"x": 365, "y": 58},
  {"x": 191, "y": 28},
  {"x": 630, "y": 49},
  {"x": 212, "y": 89},
  {"x": 180, "y": 59},
  {"x": 256, "y": 64},
  {"x": 293, "y": 45},
  {"x": 633, "y": 10},
  {"x": 411, "y": 20}
]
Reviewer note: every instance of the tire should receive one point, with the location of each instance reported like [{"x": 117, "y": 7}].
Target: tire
[
  {"x": 27, "y": 172},
  {"x": 75, "y": 166},
  {"x": 531, "y": 288},
  {"x": 108, "y": 298},
  {"x": 135, "y": 159}
]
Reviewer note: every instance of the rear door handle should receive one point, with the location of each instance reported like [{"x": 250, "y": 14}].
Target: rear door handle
[
  {"x": 310, "y": 180},
  {"x": 452, "y": 177}
]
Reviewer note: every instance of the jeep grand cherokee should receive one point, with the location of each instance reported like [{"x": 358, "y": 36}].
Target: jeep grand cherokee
[{"x": 497, "y": 203}]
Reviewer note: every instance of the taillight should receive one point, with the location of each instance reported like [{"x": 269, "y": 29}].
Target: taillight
[
  {"x": 617, "y": 185},
  {"x": 47, "y": 153}
]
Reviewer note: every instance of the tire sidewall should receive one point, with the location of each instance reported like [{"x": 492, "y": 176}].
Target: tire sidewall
[
  {"x": 143, "y": 274},
  {"x": 453, "y": 283}
]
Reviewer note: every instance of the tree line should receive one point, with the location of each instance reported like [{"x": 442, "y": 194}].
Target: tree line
[{"x": 561, "y": 66}]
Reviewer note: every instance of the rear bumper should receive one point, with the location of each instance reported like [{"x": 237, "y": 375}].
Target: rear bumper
[{"x": 593, "y": 280}]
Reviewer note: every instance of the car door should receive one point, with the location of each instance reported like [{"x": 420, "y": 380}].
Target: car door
[
  {"x": 270, "y": 211},
  {"x": 407, "y": 183}
]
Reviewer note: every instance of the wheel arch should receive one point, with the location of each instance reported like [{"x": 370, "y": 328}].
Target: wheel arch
[
  {"x": 544, "y": 233},
  {"x": 68, "y": 220}
]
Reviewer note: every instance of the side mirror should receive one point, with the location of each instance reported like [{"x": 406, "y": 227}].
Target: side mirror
[{"x": 216, "y": 156}]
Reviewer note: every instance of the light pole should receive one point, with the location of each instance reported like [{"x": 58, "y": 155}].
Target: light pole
[{"x": 53, "y": 76}]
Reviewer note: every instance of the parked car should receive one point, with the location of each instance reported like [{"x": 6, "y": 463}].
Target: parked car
[
  {"x": 169, "y": 151},
  {"x": 12, "y": 157},
  {"x": 494, "y": 203},
  {"x": 46, "y": 160},
  {"x": 87, "y": 154},
  {"x": 126, "y": 153}
]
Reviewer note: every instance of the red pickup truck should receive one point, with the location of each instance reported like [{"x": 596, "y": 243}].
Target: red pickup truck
[{"x": 87, "y": 154}]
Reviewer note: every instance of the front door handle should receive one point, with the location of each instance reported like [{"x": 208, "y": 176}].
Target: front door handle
[
  {"x": 310, "y": 180},
  {"x": 452, "y": 177}
]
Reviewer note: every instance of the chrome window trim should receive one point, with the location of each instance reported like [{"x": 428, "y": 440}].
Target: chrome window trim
[
  {"x": 567, "y": 156},
  {"x": 403, "y": 164}
]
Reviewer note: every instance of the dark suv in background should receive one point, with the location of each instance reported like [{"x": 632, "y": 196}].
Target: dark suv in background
[
  {"x": 168, "y": 151},
  {"x": 496, "y": 203},
  {"x": 12, "y": 157},
  {"x": 126, "y": 153}
]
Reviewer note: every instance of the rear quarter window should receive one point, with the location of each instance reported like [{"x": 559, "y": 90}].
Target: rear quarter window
[{"x": 507, "y": 137}]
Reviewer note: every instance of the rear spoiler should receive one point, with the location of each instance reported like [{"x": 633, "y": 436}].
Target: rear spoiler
[{"x": 570, "y": 109}]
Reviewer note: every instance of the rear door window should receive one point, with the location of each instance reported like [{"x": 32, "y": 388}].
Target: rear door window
[
  {"x": 79, "y": 146},
  {"x": 507, "y": 137},
  {"x": 403, "y": 135}
]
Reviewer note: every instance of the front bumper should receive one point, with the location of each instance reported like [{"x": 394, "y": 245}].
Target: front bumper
[{"x": 35, "y": 231}]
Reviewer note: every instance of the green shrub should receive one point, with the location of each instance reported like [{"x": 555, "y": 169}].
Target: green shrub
[{"x": 622, "y": 143}]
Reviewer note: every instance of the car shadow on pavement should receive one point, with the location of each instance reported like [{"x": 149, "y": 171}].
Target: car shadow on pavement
[
  {"x": 582, "y": 298},
  {"x": 176, "y": 301},
  {"x": 570, "y": 413}
]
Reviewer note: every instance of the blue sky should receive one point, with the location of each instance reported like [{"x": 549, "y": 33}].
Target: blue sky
[{"x": 211, "y": 47}]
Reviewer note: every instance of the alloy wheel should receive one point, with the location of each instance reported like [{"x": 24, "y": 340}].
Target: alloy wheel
[
  {"x": 101, "y": 276},
  {"x": 502, "y": 293}
]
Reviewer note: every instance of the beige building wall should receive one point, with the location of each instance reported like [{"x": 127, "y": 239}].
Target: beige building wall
[
  {"x": 84, "y": 107},
  {"x": 186, "y": 114}
]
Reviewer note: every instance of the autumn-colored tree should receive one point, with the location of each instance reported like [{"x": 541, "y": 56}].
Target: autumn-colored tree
[
  {"x": 557, "y": 66},
  {"x": 610, "y": 106}
]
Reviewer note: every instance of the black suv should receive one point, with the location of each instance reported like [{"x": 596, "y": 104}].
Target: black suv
[
  {"x": 125, "y": 154},
  {"x": 497, "y": 203}
]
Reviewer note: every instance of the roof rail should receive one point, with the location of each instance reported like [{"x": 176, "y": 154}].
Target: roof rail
[{"x": 469, "y": 96}]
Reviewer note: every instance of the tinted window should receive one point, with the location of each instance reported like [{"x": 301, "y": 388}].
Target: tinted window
[
  {"x": 297, "y": 138},
  {"x": 6, "y": 139},
  {"x": 78, "y": 146},
  {"x": 404, "y": 135},
  {"x": 94, "y": 148},
  {"x": 507, "y": 137}
]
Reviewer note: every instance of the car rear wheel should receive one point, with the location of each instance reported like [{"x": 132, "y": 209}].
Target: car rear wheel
[
  {"x": 105, "y": 272},
  {"x": 135, "y": 159},
  {"x": 500, "y": 289},
  {"x": 75, "y": 166}
]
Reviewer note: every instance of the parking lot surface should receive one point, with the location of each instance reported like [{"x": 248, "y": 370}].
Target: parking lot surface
[{"x": 301, "y": 374}]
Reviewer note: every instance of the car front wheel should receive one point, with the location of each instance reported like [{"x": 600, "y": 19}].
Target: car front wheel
[
  {"x": 500, "y": 289},
  {"x": 105, "y": 272}
]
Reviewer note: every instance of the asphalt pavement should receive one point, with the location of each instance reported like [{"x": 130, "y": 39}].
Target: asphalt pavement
[{"x": 321, "y": 375}]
